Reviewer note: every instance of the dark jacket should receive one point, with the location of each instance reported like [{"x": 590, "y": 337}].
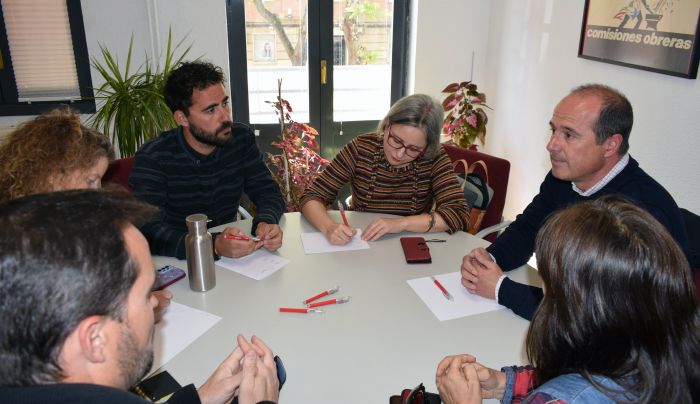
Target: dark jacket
[{"x": 514, "y": 247}]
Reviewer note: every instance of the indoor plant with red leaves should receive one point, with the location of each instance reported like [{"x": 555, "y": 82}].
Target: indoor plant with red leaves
[
  {"x": 298, "y": 165},
  {"x": 465, "y": 119}
]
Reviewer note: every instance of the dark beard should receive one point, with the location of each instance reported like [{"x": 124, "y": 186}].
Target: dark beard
[
  {"x": 134, "y": 362},
  {"x": 210, "y": 138}
]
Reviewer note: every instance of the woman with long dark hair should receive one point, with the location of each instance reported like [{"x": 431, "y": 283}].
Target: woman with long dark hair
[{"x": 619, "y": 321}]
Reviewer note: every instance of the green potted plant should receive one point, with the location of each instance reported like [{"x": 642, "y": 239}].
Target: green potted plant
[
  {"x": 465, "y": 119},
  {"x": 130, "y": 105}
]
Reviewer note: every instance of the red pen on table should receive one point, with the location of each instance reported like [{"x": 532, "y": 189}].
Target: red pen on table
[
  {"x": 444, "y": 291},
  {"x": 239, "y": 237},
  {"x": 320, "y": 295},
  {"x": 296, "y": 310},
  {"x": 339, "y": 300},
  {"x": 342, "y": 213}
]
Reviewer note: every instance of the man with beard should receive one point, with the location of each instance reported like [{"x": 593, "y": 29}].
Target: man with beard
[
  {"x": 588, "y": 149},
  {"x": 204, "y": 166},
  {"x": 77, "y": 308}
]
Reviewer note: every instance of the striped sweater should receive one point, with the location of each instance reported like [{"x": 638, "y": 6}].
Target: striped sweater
[
  {"x": 169, "y": 174},
  {"x": 379, "y": 187}
]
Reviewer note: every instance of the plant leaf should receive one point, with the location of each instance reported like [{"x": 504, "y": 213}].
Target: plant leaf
[{"x": 451, "y": 88}]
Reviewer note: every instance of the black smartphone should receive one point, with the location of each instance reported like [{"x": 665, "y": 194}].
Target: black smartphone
[
  {"x": 281, "y": 371},
  {"x": 157, "y": 387},
  {"x": 167, "y": 275}
]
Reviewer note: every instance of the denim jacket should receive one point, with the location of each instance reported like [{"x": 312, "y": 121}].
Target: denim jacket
[{"x": 565, "y": 389}]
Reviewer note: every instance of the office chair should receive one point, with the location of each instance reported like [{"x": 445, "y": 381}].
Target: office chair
[
  {"x": 118, "y": 172},
  {"x": 499, "y": 170}
]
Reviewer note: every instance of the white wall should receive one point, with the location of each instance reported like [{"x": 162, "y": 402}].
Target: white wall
[
  {"x": 200, "y": 23},
  {"x": 531, "y": 64},
  {"x": 445, "y": 35}
]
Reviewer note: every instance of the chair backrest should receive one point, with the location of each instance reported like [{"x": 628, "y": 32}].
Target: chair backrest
[
  {"x": 499, "y": 170},
  {"x": 118, "y": 172}
]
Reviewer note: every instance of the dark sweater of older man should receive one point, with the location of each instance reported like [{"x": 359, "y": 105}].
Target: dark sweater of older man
[{"x": 514, "y": 247}]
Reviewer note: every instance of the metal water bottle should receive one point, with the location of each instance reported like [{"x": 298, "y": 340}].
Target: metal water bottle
[{"x": 200, "y": 259}]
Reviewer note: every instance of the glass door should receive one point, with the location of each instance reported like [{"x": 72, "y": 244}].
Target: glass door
[{"x": 335, "y": 59}]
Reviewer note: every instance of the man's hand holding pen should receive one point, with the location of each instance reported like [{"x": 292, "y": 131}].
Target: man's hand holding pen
[
  {"x": 233, "y": 243},
  {"x": 270, "y": 235}
]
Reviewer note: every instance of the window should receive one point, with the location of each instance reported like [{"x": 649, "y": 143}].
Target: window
[
  {"x": 342, "y": 63},
  {"x": 43, "y": 57}
]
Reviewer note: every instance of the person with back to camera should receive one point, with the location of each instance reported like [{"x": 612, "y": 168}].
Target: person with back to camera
[
  {"x": 55, "y": 152},
  {"x": 77, "y": 312},
  {"x": 619, "y": 321},
  {"x": 588, "y": 149},
  {"x": 52, "y": 152},
  {"x": 400, "y": 170}
]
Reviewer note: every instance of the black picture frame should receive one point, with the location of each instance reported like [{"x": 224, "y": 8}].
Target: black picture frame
[{"x": 638, "y": 36}]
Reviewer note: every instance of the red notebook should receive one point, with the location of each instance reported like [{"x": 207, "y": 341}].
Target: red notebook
[{"x": 415, "y": 250}]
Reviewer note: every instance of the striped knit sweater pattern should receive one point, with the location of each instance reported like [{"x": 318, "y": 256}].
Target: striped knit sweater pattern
[
  {"x": 169, "y": 174},
  {"x": 379, "y": 187}
]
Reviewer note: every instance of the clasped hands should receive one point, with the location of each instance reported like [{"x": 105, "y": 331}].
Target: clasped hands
[
  {"x": 340, "y": 234},
  {"x": 460, "y": 379},
  {"x": 248, "y": 373},
  {"x": 270, "y": 236},
  {"x": 480, "y": 273}
]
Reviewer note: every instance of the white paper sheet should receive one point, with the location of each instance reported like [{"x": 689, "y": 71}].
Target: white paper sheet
[
  {"x": 316, "y": 243},
  {"x": 258, "y": 265},
  {"x": 464, "y": 303},
  {"x": 180, "y": 326}
]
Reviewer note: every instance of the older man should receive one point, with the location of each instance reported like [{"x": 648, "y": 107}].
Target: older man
[
  {"x": 588, "y": 149},
  {"x": 77, "y": 308}
]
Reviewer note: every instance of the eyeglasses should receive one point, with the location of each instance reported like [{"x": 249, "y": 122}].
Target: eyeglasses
[{"x": 395, "y": 142}]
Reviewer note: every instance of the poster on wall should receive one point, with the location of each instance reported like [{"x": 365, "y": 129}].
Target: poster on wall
[{"x": 655, "y": 35}]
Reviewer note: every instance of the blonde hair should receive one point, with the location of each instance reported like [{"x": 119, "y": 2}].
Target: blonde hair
[{"x": 50, "y": 146}]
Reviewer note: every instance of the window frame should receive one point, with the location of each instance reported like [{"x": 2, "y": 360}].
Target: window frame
[{"x": 9, "y": 104}]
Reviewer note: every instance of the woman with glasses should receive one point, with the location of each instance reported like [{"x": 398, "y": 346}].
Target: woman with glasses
[
  {"x": 619, "y": 321},
  {"x": 400, "y": 170}
]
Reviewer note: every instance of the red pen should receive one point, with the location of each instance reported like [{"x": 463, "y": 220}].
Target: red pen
[
  {"x": 444, "y": 291},
  {"x": 332, "y": 301},
  {"x": 320, "y": 295},
  {"x": 342, "y": 213},
  {"x": 238, "y": 237},
  {"x": 295, "y": 310}
]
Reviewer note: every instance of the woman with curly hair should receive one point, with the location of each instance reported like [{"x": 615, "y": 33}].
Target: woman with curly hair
[
  {"x": 56, "y": 152},
  {"x": 52, "y": 152}
]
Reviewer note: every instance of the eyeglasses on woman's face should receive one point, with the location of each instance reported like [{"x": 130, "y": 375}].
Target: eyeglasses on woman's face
[{"x": 396, "y": 142}]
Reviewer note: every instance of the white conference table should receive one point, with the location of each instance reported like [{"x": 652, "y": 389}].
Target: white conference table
[{"x": 384, "y": 340}]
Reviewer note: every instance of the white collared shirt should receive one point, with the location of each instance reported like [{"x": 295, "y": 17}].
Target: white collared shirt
[{"x": 617, "y": 169}]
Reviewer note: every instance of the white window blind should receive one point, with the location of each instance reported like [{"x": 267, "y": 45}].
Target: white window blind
[{"x": 41, "y": 48}]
